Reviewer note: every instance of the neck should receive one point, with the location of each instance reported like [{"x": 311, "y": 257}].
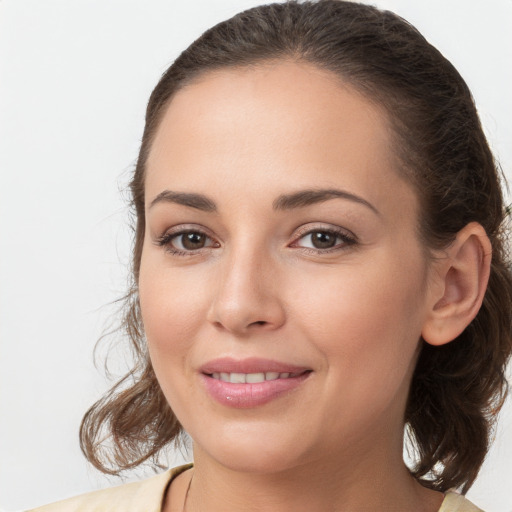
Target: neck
[{"x": 383, "y": 483}]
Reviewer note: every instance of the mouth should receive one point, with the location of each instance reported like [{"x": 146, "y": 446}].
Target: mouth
[
  {"x": 253, "y": 378},
  {"x": 251, "y": 382},
  {"x": 251, "y": 366}
]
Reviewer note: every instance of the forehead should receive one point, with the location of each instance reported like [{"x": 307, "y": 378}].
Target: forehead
[{"x": 280, "y": 124}]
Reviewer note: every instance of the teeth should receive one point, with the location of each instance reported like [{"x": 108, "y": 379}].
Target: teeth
[
  {"x": 237, "y": 378},
  {"x": 251, "y": 378}
]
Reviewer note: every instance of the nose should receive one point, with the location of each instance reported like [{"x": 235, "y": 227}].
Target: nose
[{"x": 246, "y": 296}]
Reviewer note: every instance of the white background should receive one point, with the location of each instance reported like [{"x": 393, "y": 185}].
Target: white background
[{"x": 75, "y": 76}]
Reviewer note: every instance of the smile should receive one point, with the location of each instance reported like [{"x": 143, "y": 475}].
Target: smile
[
  {"x": 249, "y": 383},
  {"x": 252, "y": 378}
]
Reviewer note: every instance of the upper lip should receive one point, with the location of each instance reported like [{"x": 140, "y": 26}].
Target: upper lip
[{"x": 249, "y": 365}]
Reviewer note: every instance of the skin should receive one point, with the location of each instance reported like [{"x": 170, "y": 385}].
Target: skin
[{"x": 353, "y": 314}]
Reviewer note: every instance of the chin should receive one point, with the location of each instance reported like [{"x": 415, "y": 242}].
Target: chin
[
  {"x": 252, "y": 450},
  {"x": 254, "y": 461}
]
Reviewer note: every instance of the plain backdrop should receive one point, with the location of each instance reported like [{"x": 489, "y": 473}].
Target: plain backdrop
[{"x": 75, "y": 76}]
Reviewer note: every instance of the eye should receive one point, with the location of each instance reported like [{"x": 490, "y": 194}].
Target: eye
[
  {"x": 323, "y": 240},
  {"x": 320, "y": 240},
  {"x": 190, "y": 241},
  {"x": 185, "y": 241}
]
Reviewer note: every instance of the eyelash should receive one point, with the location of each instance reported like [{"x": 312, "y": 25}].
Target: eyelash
[
  {"x": 347, "y": 240},
  {"x": 166, "y": 239}
]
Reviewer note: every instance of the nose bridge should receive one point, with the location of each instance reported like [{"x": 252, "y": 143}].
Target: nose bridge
[
  {"x": 242, "y": 268},
  {"x": 246, "y": 295}
]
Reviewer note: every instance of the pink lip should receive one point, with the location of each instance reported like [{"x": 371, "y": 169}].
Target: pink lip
[{"x": 243, "y": 396}]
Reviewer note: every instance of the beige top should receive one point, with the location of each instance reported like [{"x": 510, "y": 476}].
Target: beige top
[{"x": 148, "y": 496}]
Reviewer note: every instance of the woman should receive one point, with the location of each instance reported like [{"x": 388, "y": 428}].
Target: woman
[{"x": 319, "y": 261}]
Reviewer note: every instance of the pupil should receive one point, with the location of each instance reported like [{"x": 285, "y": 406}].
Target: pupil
[
  {"x": 323, "y": 240},
  {"x": 193, "y": 240}
]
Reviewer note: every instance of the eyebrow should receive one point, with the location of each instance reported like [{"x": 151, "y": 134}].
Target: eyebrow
[
  {"x": 304, "y": 198},
  {"x": 299, "y": 199},
  {"x": 197, "y": 201}
]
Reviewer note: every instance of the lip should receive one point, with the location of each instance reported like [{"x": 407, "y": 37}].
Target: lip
[{"x": 244, "y": 396}]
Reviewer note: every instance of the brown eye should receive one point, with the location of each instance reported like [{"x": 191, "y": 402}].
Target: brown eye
[
  {"x": 186, "y": 241},
  {"x": 192, "y": 241},
  {"x": 320, "y": 239},
  {"x": 323, "y": 239}
]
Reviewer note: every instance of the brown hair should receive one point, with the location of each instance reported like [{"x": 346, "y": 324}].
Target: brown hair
[{"x": 457, "y": 389}]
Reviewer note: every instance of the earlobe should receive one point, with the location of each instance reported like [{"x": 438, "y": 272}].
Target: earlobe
[{"x": 461, "y": 278}]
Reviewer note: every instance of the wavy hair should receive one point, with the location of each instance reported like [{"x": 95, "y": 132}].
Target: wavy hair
[{"x": 457, "y": 389}]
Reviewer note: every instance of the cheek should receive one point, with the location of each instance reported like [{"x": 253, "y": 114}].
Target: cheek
[
  {"x": 171, "y": 304},
  {"x": 365, "y": 296},
  {"x": 368, "y": 320}
]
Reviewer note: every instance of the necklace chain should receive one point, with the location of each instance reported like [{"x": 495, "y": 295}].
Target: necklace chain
[{"x": 186, "y": 494}]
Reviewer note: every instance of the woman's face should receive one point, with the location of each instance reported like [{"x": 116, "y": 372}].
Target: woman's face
[{"x": 281, "y": 240}]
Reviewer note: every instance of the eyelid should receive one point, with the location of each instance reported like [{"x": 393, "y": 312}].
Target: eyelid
[
  {"x": 349, "y": 238},
  {"x": 314, "y": 227},
  {"x": 164, "y": 240}
]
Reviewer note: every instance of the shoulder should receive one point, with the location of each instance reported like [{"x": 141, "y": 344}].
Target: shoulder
[
  {"x": 144, "y": 496},
  {"x": 455, "y": 502}
]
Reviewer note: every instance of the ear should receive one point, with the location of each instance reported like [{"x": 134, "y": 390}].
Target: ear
[{"x": 460, "y": 279}]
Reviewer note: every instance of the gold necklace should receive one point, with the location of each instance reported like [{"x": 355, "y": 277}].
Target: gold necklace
[{"x": 186, "y": 493}]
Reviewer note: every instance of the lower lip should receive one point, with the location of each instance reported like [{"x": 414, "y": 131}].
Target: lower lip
[{"x": 244, "y": 396}]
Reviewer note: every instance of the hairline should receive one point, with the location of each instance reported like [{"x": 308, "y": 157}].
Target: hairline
[{"x": 400, "y": 153}]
